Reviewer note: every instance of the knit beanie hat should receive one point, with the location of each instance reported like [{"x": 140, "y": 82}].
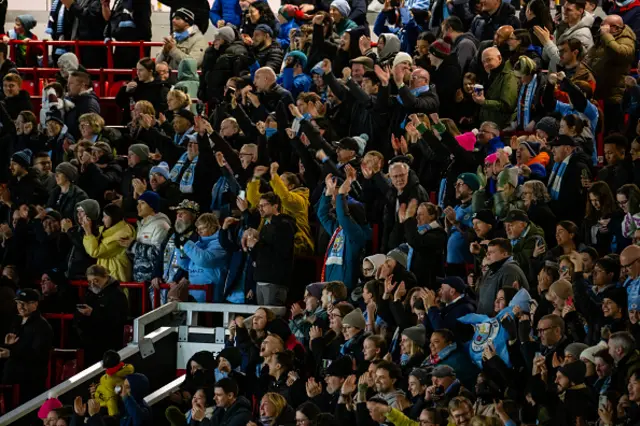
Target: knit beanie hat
[
  {"x": 399, "y": 256},
  {"x": 341, "y": 367},
  {"x": 362, "y": 143},
  {"x": 289, "y": 11},
  {"x": 509, "y": 175},
  {"x": 422, "y": 374},
  {"x": 161, "y": 169},
  {"x": 22, "y": 157},
  {"x": 550, "y": 126},
  {"x": 417, "y": 333},
  {"x": 617, "y": 295},
  {"x": 110, "y": 359},
  {"x": 575, "y": 349},
  {"x": 90, "y": 207},
  {"x": 28, "y": 22},
  {"x": 575, "y": 372},
  {"x": 440, "y": 49},
  {"x": 491, "y": 158},
  {"x": 342, "y": 6},
  {"x": 186, "y": 15},
  {"x": 48, "y": 406},
  {"x": 152, "y": 199},
  {"x": 532, "y": 147},
  {"x": 486, "y": 216},
  {"x": 344, "y": 308},
  {"x": 226, "y": 33},
  {"x": 231, "y": 354},
  {"x": 299, "y": 56},
  {"x": 402, "y": 57},
  {"x": 471, "y": 180},
  {"x": 562, "y": 289},
  {"x": 310, "y": 410},
  {"x": 141, "y": 150},
  {"x": 524, "y": 66},
  {"x": 590, "y": 353},
  {"x": 54, "y": 114},
  {"x": 355, "y": 319},
  {"x": 315, "y": 289},
  {"x": 68, "y": 170}
]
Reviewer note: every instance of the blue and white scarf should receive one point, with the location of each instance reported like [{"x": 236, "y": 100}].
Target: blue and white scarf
[
  {"x": 186, "y": 182},
  {"x": 183, "y": 35},
  {"x": 528, "y": 99},
  {"x": 179, "y": 140},
  {"x": 555, "y": 181},
  {"x": 415, "y": 92},
  {"x": 422, "y": 229}
]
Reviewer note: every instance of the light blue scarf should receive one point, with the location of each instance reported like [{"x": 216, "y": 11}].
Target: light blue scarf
[
  {"x": 528, "y": 91},
  {"x": 555, "y": 181},
  {"x": 182, "y": 140},
  {"x": 186, "y": 182},
  {"x": 415, "y": 92}
]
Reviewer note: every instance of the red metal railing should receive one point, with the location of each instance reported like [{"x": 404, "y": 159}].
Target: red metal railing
[
  {"x": 78, "y": 44},
  {"x": 82, "y": 285},
  {"x": 15, "y": 397},
  {"x": 63, "y": 318}
]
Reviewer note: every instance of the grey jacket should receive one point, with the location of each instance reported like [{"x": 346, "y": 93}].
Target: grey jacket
[
  {"x": 501, "y": 274},
  {"x": 192, "y": 47},
  {"x": 582, "y": 32}
]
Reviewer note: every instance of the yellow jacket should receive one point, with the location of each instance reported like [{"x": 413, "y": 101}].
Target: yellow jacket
[
  {"x": 106, "y": 390},
  {"x": 295, "y": 203},
  {"x": 398, "y": 418},
  {"x": 109, "y": 252}
]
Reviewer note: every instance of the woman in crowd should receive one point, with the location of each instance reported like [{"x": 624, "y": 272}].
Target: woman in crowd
[{"x": 145, "y": 87}]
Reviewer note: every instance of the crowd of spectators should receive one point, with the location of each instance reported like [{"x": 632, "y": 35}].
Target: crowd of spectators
[{"x": 468, "y": 174}]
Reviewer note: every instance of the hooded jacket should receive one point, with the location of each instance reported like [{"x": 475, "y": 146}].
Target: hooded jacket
[
  {"x": 219, "y": 66},
  {"x": 610, "y": 60},
  {"x": 581, "y": 31},
  {"x": 105, "y": 391},
  {"x": 206, "y": 262},
  {"x": 137, "y": 411},
  {"x": 524, "y": 247},
  {"x": 501, "y": 274},
  {"x": 146, "y": 250},
  {"x": 188, "y": 79},
  {"x": 228, "y": 11},
  {"x": 106, "y": 248},
  {"x": 201, "y": 378}
]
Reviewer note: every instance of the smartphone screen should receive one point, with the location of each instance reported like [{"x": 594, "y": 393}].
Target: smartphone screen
[{"x": 242, "y": 195}]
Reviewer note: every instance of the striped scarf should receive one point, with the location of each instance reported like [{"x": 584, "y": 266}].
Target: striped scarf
[
  {"x": 528, "y": 91},
  {"x": 555, "y": 181},
  {"x": 186, "y": 178}
]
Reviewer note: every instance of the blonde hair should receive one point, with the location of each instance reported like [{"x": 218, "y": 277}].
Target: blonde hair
[
  {"x": 185, "y": 99},
  {"x": 278, "y": 402},
  {"x": 146, "y": 107},
  {"x": 94, "y": 120},
  {"x": 209, "y": 220}
]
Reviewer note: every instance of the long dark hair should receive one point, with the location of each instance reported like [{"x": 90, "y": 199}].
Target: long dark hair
[
  {"x": 541, "y": 11},
  {"x": 266, "y": 14},
  {"x": 605, "y": 197}
]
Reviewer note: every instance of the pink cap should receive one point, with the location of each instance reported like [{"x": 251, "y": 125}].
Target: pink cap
[
  {"x": 491, "y": 158},
  {"x": 48, "y": 406}
]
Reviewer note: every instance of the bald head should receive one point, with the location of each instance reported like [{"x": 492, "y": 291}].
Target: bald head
[
  {"x": 419, "y": 77},
  {"x": 629, "y": 261},
  {"x": 491, "y": 59},
  {"x": 502, "y": 35},
  {"x": 615, "y": 23},
  {"x": 265, "y": 78}
]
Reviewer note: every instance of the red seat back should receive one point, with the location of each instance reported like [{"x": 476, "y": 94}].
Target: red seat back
[
  {"x": 114, "y": 88},
  {"x": 30, "y": 87}
]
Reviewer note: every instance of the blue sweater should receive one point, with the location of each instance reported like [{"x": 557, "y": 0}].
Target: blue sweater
[
  {"x": 283, "y": 34},
  {"x": 295, "y": 84},
  {"x": 457, "y": 246},
  {"x": 407, "y": 33},
  {"x": 348, "y": 245},
  {"x": 227, "y": 10},
  {"x": 207, "y": 264}
]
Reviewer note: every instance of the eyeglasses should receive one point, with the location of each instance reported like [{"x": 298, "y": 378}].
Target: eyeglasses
[
  {"x": 543, "y": 330},
  {"x": 335, "y": 316},
  {"x": 629, "y": 264}
]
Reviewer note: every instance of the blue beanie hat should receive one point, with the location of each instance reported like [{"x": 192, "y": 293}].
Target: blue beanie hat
[
  {"x": 22, "y": 157},
  {"x": 299, "y": 56},
  {"x": 162, "y": 169},
  {"x": 471, "y": 180},
  {"x": 152, "y": 199}
]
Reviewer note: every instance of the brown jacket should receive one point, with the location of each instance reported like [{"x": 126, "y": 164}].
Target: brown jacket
[{"x": 610, "y": 61}]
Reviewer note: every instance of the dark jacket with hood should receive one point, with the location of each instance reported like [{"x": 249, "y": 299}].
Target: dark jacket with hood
[
  {"x": 201, "y": 378},
  {"x": 465, "y": 48},
  {"x": 484, "y": 26},
  {"x": 219, "y": 65},
  {"x": 136, "y": 411},
  {"x": 85, "y": 102},
  {"x": 96, "y": 178},
  {"x": 154, "y": 91},
  {"x": 447, "y": 316},
  {"x": 393, "y": 230},
  {"x": 428, "y": 251},
  {"x": 16, "y": 104},
  {"x": 273, "y": 253},
  {"x": 501, "y": 274},
  {"x": 102, "y": 330}
]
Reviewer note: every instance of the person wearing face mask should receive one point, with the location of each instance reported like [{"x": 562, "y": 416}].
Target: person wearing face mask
[{"x": 100, "y": 320}]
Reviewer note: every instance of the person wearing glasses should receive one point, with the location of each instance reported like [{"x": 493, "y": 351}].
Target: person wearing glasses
[{"x": 552, "y": 342}]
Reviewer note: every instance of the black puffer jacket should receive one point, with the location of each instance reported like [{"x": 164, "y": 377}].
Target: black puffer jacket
[
  {"x": 84, "y": 103},
  {"x": 484, "y": 26},
  {"x": 239, "y": 414},
  {"x": 219, "y": 66},
  {"x": 272, "y": 57}
]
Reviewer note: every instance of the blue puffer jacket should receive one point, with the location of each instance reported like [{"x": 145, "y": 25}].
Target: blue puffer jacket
[
  {"x": 207, "y": 264},
  {"x": 227, "y": 10},
  {"x": 347, "y": 245},
  {"x": 283, "y": 34}
]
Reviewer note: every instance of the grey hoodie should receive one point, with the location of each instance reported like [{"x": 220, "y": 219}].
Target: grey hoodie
[
  {"x": 581, "y": 31},
  {"x": 188, "y": 77},
  {"x": 465, "y": 48},
  {"x": 501, "y": 274}
]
